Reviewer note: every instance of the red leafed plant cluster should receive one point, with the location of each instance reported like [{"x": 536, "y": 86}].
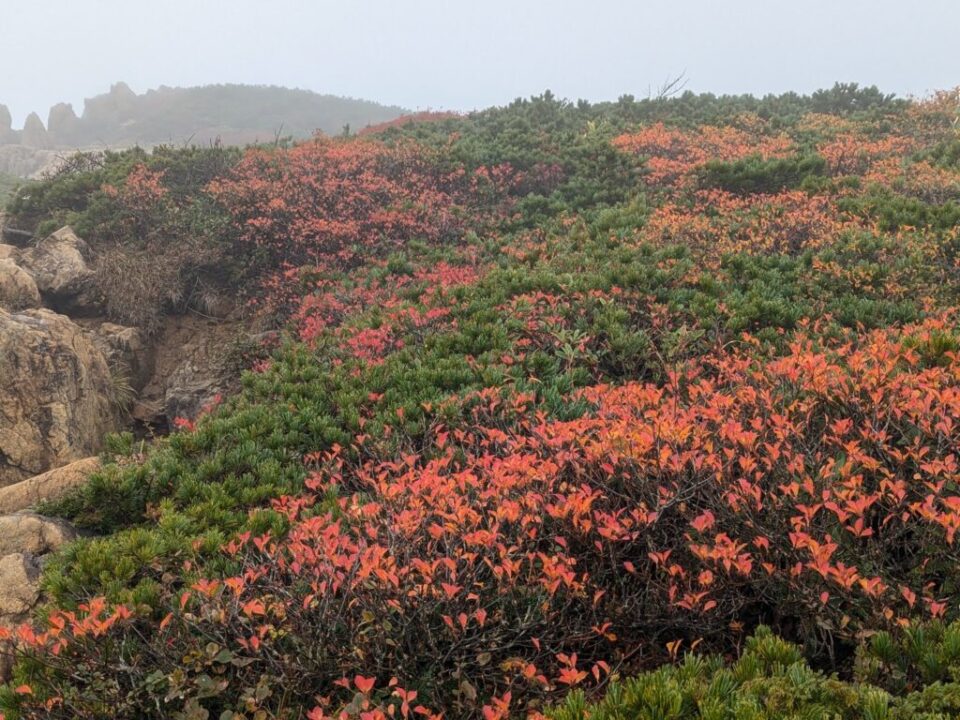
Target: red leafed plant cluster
[
  {"x": 532, "y": 431},
  {"x": 675, "y": 154},
  {"x": 528, "y": 557},
  {"x": 331, "y": 302},
  {"x": 334, "y": 204}
]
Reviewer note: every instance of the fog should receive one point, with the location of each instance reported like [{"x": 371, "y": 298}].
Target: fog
[{"x": 461, "y": 55}]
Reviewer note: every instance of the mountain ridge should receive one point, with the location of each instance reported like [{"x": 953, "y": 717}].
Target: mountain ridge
[{"x": 234, "y": 114}]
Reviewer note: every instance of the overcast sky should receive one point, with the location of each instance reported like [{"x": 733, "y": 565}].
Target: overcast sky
[{"x": 462, "y": 55}]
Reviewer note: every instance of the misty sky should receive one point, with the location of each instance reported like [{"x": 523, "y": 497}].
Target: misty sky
[{"x": 462, "y": 55}]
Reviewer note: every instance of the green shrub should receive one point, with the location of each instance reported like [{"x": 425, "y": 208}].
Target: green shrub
[
  {"x": 770, "y": 681},
  {"x": 758, "y": 175},
  {"x": 847, "y": 98},
  {"x": 892, "y": 212},
  {"x": 920, "y": 655}
]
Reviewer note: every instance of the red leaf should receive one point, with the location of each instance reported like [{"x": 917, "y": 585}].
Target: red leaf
[{"x": 364, "y": 684}]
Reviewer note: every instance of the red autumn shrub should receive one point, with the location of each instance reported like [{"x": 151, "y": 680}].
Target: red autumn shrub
[
  {"x": 332, "y": 301},
  {"x": 142, "y": 197},
  {"x": 719, "y": 223},
  {"x": 674, "y": 155},
  {"x": 813, "y": 491},
  {"x": 333, "y": 204}
]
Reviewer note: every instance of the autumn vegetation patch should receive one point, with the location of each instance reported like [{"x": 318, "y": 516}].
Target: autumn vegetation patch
[{"x": 641, "y": 409}]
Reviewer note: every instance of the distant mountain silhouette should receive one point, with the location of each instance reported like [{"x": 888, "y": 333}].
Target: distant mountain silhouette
[{"x": 233, "y": 114}]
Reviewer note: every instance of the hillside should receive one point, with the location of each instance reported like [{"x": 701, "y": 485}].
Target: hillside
[
  {"x": 643, "y": 409},
  {"x": 233, "y": 114},
  {"x": 7, "y": 184}
]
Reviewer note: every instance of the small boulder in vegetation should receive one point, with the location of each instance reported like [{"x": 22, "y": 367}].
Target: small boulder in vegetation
[
  {"x": 30, "y": 533},
  {"x": 47, "y": 487},
  {"x": 59, "y": 266}
]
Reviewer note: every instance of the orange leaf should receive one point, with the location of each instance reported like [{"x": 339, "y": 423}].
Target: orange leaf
[{"x": 364, "y": 684}]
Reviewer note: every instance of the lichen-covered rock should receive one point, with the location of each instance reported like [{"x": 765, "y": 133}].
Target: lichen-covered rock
[
  {"x": 48, "y": 486},
  {"x": 55, "y": 394},
  {"x": 8, "y": 252},
  {"x": 59, "y": 266},
  {"x": 32, "y": 533},
  {"x": 25, "y": 540},
  {"x": 190, "y": 392},
  {"x": 19, "y": 586},
  {"x": 18, "y": 290},
  {"x": 126, "y": 351},
  {"x": 190, "y": 369},
  {"x": 19, "y": 595}
]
